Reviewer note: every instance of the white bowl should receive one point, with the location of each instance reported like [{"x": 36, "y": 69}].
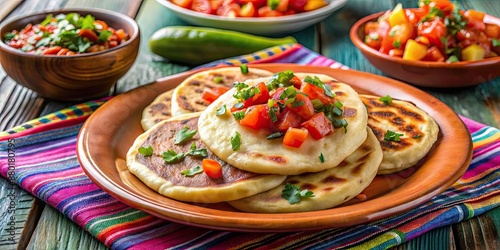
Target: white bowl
[{"x": 256, "y": 25}]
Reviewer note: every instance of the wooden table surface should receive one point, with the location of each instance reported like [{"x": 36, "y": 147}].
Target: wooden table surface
[{"x": 39, "y": 226}]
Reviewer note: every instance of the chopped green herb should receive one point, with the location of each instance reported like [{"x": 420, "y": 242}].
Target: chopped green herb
[
  {"x": 280, "y": 79},
  {"x": 244, "y": 68},
  {"x": 221, "y": 110},
  {"x": 9, "y": 36},
  {"x": 172, "y": 157},
  {"x": 273, "y": 113},
  {"x": 433, "y": 12},
  {"x": 192, "y": 171},
  {"x": 321, "y": 157},
  {"x": 317, "y": 82},
  {"x": 452, "y": 59},
  {"x": 183, "y": 135},
  {"x": 392, "y": 136},
  {"x": 293, "y": 194},
  {"x": 240, "y": 85},
  {"x": 397, "y": 44},
  {"x": 245, "y": 93},
  {"x": 317, "y": 104},
  {"x": 146, "y": 151},
  {"x": 239, "y": 115},
  {"x": 273, "y": 4},
  {"x": 495, "y": 42},
  {"x": 47, "y": 20},
  {"x": 297, "y": 104},
  {"x": 386, "y": 99},
  {"x": 197, "y": 152},
  {"x": 236, "y": 141},
  {"x": 275, "y": 136},
  {"x": 104, "y": 35},
  {"x": 289, "y": 92},
  {"x": 417, "y": 136}
]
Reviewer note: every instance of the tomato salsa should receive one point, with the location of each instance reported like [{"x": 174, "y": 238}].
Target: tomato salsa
[
  {"x": 250, "y": 8},
  {"x": 437, "y": 31},
  {"x": 66, "y": 34},
  {"x": 289, "y": 108}
]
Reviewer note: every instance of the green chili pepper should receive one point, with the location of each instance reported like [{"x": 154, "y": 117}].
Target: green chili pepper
[{"x": 198, "y": 45}]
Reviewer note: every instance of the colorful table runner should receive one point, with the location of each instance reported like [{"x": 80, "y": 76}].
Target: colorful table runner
[{"x": 40, "y": 156}]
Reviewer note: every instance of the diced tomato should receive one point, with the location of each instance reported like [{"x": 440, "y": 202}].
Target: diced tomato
[
  {"x": 215, "y": 4},
  {"x": 373, "y": 40},
  {"x": 474, "y": 14},
  {"x": 296, "y": 82},
  {"x": 412, "y": 17},
  {"x": 248, "y": 10},
  {"x": 492, "y": 30},
  {"x": 445, "y": 6},
  {"x": 183, "y": 3},
  {"x": 258, "y": 98},
  {"x": 434, "y": 55},
  {"x": 397, "y": 37},
  {"x": 433, "y": 31},
  {"x": 256, "y": 3},
  {"x": 266, "y": 11},
  {"x": 62, "y": 52},
  {"x": 211, "y": 94},
  {"x": 287, "y": 119},
  {"x": 306, "y": 109},
  {"x": 121, "y": 34},
  {"x": 421, "y": 12},
  {"x": 476, "y": 24},
  {"x": 298, "y": 5},
  {"x": 212, "y": 168},
  {"x": 282, "y": 6},
  {"x": 52, "y": 50},
  {"x": 89, "y": 34},
  {"x": 396, "y": 52},
  {"x": 257, "y": 117},
  {"x": 294, "y": 137},
  {"x": 231, "y": 10},
  {"x": 318, "y": 126},
  {"x": 315, "y": 92},
  {"x": 202, "y": 6}
]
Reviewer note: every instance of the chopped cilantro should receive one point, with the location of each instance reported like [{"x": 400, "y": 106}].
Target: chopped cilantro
[
  {"x": 146, "y": 151},
  {"x": 495, "y": 42},
  {"x": 221, "y": 110},
  {"x": 192, "y": 171},
  {"x": 197, "y": 152},
  {"x": 273, "y": 113},
  {"x": 244, "y": 68},
  {"x": 275, "y": 136},
  {"x": 321, "y": 158},
  {"x": 9, "y": 36},
  {"x": 172, "y": 157},
  {"x": 417, "y": 136},
  {"x": 317, "y": 82},
  {"x": 236, "y": 141},
  {"x": 47, "y": 20},
  {"x": 392, "y": 136},
  {"x": 104, "y": 35},
  {"x": 293, "y": 194},
  {"x": 452, "y": 59},
  {"x": 239, "y": 115},
  {"x": 183, "y": 135},
  {"x": 280, "y": 79},
  {"x": 386, "y": 99},
  {"x": 397, "y": 44}
]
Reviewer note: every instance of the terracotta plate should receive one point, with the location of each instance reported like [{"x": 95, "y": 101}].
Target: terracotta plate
[{"x": 107, "y": 135}]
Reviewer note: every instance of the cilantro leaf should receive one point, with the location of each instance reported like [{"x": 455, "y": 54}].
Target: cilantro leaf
[
  {"x": 321, "y": 158},
  {"x": 236, "y": 141},
  {"x": 293, "y": 194},
  {"x": 146, "y": 151},
  {"x": 197, "y": 152},
  {"x": 172, "y": 157},
  {"x": 386, "y": 99},
  {"x": 104, "y": 35},
  {"x": 183, "y": 135},
  {"x": 192, "y": 171},
  {"x": 495, "y": 42},
  {"x": 392, "y": 136}
]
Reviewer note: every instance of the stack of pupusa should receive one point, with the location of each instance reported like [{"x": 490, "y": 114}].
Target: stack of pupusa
[{"x": 333, "y": 169}]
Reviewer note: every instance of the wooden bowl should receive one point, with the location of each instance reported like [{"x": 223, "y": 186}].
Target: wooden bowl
[
  {"x": 71, "y": 78},
  {"x": 427, "y": 74}
]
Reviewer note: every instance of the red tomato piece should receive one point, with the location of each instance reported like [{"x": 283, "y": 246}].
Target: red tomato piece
[
  {"x": 492, "y": 30},
  {"x": 212, "y": 168},
  {"x": 256, "y": 3},
  {"x": 306, "y": 110},
  {"x": 434, "y": 55},
  {"x": 266, "y": 11},
  {"x": 52, "y": 50},
  {"x": 433, "y": 31},
  {"x": 315, "y": 92},
  {"x": 295, "y": 137},
  {"x": 296, "y": 82},
  {"x": 202, "y": 6},
  {"x": 445, "y": 6},
  {"x": 183, "y": 3},
  {"x": 282, "y": 6},
  {"x": 318, "y": 126},
  {"x": 99, "y": 24},
  {"x": 297, "y": 5},
  {"x": 257, "y": 117},
  {"x": 231, "y": 10},
  {"x": 258, "y": 98},
  {"x": 287, "y": 119},
  {"x": 89, "y": 34},
  {"x": 211, "y": 94}
]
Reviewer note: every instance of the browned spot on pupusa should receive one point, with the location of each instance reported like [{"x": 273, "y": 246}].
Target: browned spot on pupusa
[
  {"x": 332, "y": 179},
  {"x": 349, "y": 112},
  {"x": 273, "y": 158},
  {"x": 308, "y": 186}
]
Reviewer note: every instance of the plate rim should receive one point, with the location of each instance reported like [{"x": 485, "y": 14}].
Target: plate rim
[{"x": 287, "y": 222}]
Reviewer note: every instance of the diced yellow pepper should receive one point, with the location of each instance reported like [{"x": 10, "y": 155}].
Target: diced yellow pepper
[
  {"x": 473, "y": 52},
  {"x": 397, "y": 16},
  {"x": 414, "y": 50},
  {"x": 314, "y": 4}
]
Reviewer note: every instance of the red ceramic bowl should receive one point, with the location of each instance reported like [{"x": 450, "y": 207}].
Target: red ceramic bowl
[
  {"x": 71, "y": 78},
  {"x": 427, "y": 74}
]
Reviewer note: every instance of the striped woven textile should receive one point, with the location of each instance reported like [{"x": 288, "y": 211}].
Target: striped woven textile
[{"x": 45, "y": 165}]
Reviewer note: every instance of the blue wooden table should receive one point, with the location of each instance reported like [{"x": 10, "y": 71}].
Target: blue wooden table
[{"x": 39, "y": 226}]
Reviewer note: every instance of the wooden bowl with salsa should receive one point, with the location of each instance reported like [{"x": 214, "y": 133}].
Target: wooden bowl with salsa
[{"x": 71, "y": 54}]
